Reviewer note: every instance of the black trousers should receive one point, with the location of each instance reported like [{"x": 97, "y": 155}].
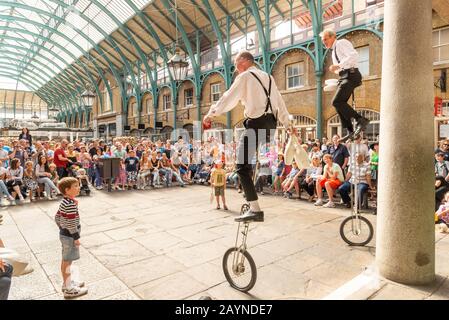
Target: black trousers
[
  {"x": 5, "y": 281},
  {"x": 257, "y": 132},
  {"x": 346, "y": 84},
  {"x": 309, "y": 187}
]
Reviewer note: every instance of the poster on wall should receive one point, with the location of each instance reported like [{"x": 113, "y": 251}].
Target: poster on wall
[{"x": 444, "y": 131}]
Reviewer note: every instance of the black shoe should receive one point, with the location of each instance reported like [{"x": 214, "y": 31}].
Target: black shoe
[
  {"x": 348, "y": 205},
  {"x": 251, "y": 216},
  {"x": 350, "y": 135},
  {"x": 361, "y": 125}
]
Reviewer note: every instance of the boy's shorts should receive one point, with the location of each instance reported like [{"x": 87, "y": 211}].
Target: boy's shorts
[
  {"x": 70, "y": 252},
  {"x": 334, "y": 183},
  {"x": 219, "y": 191}
]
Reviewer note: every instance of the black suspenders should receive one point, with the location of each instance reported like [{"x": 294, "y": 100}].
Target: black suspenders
[
  {"x": 267, "y": 93},
  {"x": 335, "y": 51}
]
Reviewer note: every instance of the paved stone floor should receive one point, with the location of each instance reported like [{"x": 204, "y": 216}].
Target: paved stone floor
[{"x": 169, "y": 243}]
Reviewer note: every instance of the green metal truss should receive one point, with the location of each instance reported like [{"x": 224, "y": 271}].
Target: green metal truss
[
  {"x": 77, "y": 62},
  {"x": 65, "y": 85}
]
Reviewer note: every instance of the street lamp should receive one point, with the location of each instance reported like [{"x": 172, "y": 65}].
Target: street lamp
[
  {"x": 177, "y": 66},
  {"x": 88, "y": 98},
  {"x": 52, "y": 112}
]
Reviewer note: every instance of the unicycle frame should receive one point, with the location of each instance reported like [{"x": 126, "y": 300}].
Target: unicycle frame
[
  {"x": 355, "y": 186},
  {"x": 242, "y": 247},
  {"x": 356, "y": 217}
]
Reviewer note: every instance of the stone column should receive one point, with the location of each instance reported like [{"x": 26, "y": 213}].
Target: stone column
[{"x": 405, "y": 249}]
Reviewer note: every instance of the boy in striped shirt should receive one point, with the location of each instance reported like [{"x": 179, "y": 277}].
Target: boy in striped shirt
[{"x": 68, "y": 221}]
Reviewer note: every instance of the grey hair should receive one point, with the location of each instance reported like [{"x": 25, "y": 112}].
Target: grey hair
[
  {"x": 245, "y": 55},
  {"x": 328, "y": 32}
]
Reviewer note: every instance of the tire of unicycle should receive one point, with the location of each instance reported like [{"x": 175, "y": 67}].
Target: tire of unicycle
[
  {"x": 363, "y": 220},
  {"x": 229, "y": 255}
]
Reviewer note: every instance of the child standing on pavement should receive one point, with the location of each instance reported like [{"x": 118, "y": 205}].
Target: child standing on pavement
[
  {"x": 68, "y": 220},
  {"x": 218, "y": 181}
]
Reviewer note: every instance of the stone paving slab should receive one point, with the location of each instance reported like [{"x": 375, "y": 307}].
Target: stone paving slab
[
  {"x": 141, "y": 272},
  {"x": 169, "y": 244},
  {"x": 173, "y": 287}
]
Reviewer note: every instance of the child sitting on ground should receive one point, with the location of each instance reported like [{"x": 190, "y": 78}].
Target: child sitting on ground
[
  {"x": 29, "y": 180},
  {"x": 54, "y": 173},
  {"x": 291, "y": 181}
]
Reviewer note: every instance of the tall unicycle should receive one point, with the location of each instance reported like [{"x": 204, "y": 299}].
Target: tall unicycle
[
  {"x": 356, "y": 230},
  {"x": 238, "y": 265}
]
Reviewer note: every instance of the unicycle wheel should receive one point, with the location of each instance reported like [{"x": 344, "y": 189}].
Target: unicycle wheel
[
  {"x": 239, "y": 269},
  {"x": 356, "y": 233}
]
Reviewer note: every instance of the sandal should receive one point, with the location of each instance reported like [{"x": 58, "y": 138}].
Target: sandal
[
  {"x": 225, "y": 208},
  {"x": 218, "y": 207}
]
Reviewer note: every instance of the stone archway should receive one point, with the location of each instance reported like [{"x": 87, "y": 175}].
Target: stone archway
[{"x": 371, "y": 133}]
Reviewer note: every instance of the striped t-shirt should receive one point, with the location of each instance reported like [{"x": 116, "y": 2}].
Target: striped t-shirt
[{"x": 68, "y": 219}]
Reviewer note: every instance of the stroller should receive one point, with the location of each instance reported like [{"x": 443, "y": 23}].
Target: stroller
[{"x": 84, "y": 182}]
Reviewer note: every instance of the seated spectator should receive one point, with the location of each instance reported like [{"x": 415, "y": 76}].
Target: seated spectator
[
  {"x": 54, "y": 173},
  {"x": 121, "y": 179},
  {"x": 359, "y": 172},
  {"x": 263, "y": 175},
  {"x": 14, "y": 177},
  {"x": 144, "y": 171},
  {"x": 279, "y": 173},
  {"x": 442, "y": 214},
  {"x": 29, "y": 180},
  {"x": 291, "y": 181},
  {"x": 45, "y": 175},
  {"x": 331, "y": 180},
  {"x": 184, "y": 165},
  {"x": 312, "y": 174},
  {"x": 441, "y": 178},
  {"x": 204, "y": 173},
  {"x": 154, "y": 168},
  {"x": 232, "y": 176},
  {"x": 3, "y": 189}
]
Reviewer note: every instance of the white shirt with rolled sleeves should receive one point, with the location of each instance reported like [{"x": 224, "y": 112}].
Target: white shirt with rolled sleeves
[
  {"x": 346, "y": 53},
  {"x": 248, "y": 90}
]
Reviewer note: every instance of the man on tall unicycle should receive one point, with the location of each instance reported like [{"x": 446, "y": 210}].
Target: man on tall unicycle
[
  {"x": 345, "y": 64},
  {"x": 264, "y": 106}
]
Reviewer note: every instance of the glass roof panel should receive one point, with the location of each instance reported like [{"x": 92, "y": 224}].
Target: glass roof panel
[{"x": 68, "y": 17}]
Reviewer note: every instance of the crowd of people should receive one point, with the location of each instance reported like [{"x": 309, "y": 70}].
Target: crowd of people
[{"x": 30, "y": 170}]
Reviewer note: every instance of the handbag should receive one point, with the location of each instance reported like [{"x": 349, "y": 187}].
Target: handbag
[{"x": 20, "y": 266}]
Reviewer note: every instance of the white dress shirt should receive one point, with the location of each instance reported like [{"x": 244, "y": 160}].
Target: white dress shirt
[
  {"x": 248, "y": 90},
  {"x": 347, "y": 55}
]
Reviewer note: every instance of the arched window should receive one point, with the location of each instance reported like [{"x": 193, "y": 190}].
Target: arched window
[
  {"x": 372, "y": 130},
  {"x": 305, "y": 126},
  {"x": 189, "y": 128},
  {"x": 134, "y": 133},
  {"x": 165, "y": 133},
  {"x": 106, "y": 100}
]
